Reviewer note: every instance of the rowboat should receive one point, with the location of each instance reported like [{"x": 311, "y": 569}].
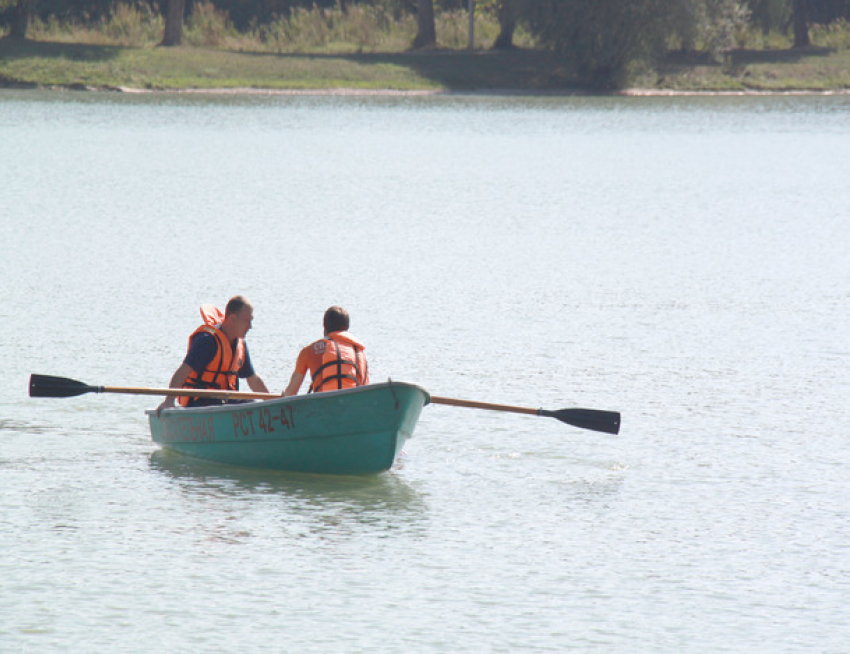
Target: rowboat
[{"x": 349, "y": 432}]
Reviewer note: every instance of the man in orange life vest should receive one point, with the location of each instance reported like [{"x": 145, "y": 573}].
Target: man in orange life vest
[
  {"x": 335, "y": 361},
  {"x": 218, "y": 355}
]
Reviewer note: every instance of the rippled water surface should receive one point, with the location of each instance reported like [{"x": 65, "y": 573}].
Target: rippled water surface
[{"x": 683, "y": 261}]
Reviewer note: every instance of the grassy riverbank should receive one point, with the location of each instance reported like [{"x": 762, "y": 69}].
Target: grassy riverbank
[
  {"x": 64, "y": 64},
  {"x": 32, "y": 64}
]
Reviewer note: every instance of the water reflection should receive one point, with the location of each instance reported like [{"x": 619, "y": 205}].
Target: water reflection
[{"x": 317, "y": 502}]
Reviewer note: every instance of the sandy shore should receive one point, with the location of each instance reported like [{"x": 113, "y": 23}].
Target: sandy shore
[
  {"x": 668, "y": 92},
  {"x": 514, "y": 92},
  {"x": 634, "y": 92}
]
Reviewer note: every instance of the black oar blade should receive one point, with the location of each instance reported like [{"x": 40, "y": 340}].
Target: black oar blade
[
  {"x": 605, "y": 421},
  {"x": 49, "y": 386}
]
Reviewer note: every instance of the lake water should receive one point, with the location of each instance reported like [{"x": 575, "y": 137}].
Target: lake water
[{"x": 682, "y": 260}]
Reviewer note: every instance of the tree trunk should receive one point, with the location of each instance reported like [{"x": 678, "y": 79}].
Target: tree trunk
[
  {"x": 174, "y": 23},
  {"x": 20, "y": 19},
  {"x": 801, "y": 24},
  {"x": 507, "y": 25},
  {"x": 426, "y": 37}
]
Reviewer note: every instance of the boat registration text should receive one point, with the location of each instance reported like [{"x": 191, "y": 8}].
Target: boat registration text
[{"x": 245, "y": 423}]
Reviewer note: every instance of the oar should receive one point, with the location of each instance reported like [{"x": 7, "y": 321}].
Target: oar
[
  {"x": 605, "y": 421},
  {"x": 49, "y": 386}
]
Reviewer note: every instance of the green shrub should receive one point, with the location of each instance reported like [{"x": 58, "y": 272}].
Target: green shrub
[
  {"x": 208, "y": 26},
  {"x": 132, "y": 25},
  {"x": 836, "y": 35},
  {"x": 127, "y": 25},
  {"x": 359, "y": 28}
]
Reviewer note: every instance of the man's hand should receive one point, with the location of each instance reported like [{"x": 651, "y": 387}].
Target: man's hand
[{"x": 167, "y": 403}]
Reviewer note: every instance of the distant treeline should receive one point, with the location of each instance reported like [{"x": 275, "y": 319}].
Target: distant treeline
[
  {"x": 768, "y": 14},
  {"x": 604, "y": 39}
]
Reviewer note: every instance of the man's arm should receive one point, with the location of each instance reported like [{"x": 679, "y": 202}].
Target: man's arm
[
  {"x": 257, "y": 384},
  {"x": 177, "y": 380},
  {"x": 294, "y": 384}
]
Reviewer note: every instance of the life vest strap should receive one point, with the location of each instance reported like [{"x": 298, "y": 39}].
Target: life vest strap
[{"x": 340, "y": 375}]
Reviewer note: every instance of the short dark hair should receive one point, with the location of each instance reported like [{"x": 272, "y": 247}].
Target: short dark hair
[
  {"x": 236, "y": 304},
  {"x": 336, "y": 320}
]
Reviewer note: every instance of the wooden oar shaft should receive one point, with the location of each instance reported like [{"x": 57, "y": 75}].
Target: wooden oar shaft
[
  {"x": 484, "y": 405},
  {"x": 187, "y": 392}
]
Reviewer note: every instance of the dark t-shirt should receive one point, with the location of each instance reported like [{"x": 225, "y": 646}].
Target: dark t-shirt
[{"x": 203, "y": 349}]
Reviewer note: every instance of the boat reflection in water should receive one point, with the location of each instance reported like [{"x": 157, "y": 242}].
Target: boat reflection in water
[{"x": 302, "y": 504}]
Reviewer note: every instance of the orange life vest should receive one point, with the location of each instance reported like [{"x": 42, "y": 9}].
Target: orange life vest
[
  {"x": 223, "y": 371},
  {"x": 342, "y": 364}
]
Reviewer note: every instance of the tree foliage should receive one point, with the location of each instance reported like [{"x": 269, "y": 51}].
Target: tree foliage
[
  {"x": 770, "y": 14},
  {"x": 602, "y": 38}
]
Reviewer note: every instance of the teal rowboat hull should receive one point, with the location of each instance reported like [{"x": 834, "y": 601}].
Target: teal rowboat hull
[{"x": 350, "y": 432}]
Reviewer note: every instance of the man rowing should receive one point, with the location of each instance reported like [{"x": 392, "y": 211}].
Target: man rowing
[{"x": 217, "y": 356}]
